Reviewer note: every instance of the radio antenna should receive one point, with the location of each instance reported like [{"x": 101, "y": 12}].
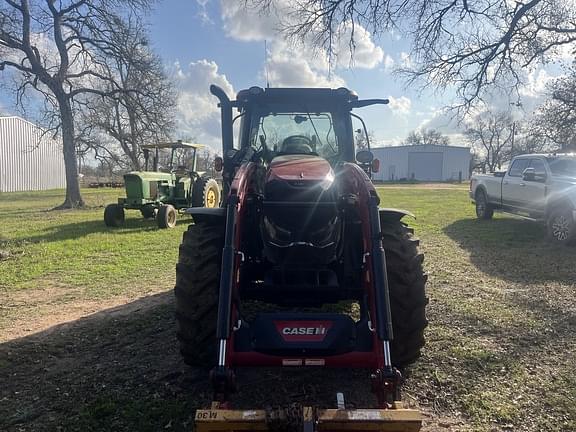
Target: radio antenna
[{"x": 266, "y": 63}]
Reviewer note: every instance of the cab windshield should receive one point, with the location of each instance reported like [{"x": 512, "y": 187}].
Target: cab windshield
[{"x": 298, "y": 132}]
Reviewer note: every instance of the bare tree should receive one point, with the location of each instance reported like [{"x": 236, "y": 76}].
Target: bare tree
[
  {"x": 58, "y": 48},
  {"x": 133, "y": 118},
  {"x": 362, "y": 141},
  {"x": 426, "y": 136},
  {"x": 490, "y": 135},
  {"x": 555, "y": 121},
  {"x": 473, "y": 45}
]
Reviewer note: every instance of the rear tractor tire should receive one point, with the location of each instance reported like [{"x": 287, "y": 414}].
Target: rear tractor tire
[
  {"x": 196, "y": 290},
  {"x": 407, "y": 281},
  {"x": 483, "y": 209},
  {"x": 167, "y": 216},
  {"x": 206, "y": 193},
  {"x": 114, "y": 215}
]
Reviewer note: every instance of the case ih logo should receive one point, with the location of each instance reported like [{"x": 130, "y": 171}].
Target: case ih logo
[{"x": 303, "y": 331}]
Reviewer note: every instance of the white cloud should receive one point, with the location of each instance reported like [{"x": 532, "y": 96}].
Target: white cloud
[
  {"x": 405, "y": 60},
  {"x": 536, "y": 83},
  {"x": 401, "y": 105},
  {"x": 297, "y": 63},
  {"x": 287, "y": 67},
  {"x": 249, "y": 24},
  {"x": 364, "y": 54},
  {"x": 388, "y": 62},
  {"x": 198, "y": 113}
]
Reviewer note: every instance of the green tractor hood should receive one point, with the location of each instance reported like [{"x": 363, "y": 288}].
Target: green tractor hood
[{"x": 147, "y": 186}]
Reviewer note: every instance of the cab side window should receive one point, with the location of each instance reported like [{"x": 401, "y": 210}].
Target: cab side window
[
  {"x": 518, "y": 167},
  {"x": 539, "y": 167}
]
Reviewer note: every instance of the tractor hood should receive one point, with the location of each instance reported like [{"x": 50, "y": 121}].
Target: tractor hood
[
  {"x": 300, "y": 170},
  {"x": 148, "y": 176}
]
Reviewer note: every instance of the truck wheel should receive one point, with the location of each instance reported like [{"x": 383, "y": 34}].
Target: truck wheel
[
  {"x": 149, "y": 212},
  {"x": 206, "y": 193},
  {"x": 483, "y": 209},
  {"x": 114, "y": 215},
  {"x": 407, "y": 281},
  {"x": 196, "y": 290},
  {"x": 561, "y": 226},
  {"x": 166, "y": 217}
]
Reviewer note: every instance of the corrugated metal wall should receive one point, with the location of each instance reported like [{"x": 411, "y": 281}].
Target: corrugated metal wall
[
  {"x": 27, "y": 161},
  {"x": 395, "y": 162}
]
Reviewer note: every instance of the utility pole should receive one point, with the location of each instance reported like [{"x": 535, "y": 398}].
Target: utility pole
[{"x": 513, "y": 136}]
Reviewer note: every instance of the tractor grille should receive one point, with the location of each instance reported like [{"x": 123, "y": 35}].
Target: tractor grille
[{"x": 133, "y": 186}]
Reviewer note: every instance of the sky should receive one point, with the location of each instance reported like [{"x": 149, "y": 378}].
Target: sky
[
  {"x": 205, "y": 42},
  {"x": 208, "y": 41}
]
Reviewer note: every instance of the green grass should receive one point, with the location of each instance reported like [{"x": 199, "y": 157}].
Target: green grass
[
  {"x": 500, "y": 351},
  {"x": 75, "y": 249}
]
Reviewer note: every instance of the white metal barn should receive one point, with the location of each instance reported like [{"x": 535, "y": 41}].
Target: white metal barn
[
  {"x": 28, "y": 161},
  {"x": 423, "y": 162}
]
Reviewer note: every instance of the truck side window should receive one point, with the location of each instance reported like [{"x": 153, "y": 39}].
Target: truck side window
[
  {"x": 539, "y": 167},
  {"x": 518, "y": 167}
]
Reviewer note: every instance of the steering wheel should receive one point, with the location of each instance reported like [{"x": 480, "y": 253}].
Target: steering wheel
[{"x": 297, "y": 144}]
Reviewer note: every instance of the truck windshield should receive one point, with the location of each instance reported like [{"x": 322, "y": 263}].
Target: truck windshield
[
  {"x": 296, "y": 133},
  {"x": 563, "y": 166}
]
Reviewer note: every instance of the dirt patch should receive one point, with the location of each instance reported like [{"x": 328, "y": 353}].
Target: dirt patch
[
  {"x": 31, "y": 311},
  {"x": 119, "y": 370}
]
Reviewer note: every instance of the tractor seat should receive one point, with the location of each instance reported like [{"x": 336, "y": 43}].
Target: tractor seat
[{"x": 295, "y": 145}]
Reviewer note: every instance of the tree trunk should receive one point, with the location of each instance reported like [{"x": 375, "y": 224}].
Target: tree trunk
[{"x": 73, "y": 196}]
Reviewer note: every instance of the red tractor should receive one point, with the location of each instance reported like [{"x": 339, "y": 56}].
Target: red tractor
[{"x": 299, "y": 228}]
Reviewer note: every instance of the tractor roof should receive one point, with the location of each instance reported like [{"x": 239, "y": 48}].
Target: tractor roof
[
  {"x": 291, "y": 95},
  {"x": 176, "y": 144},
  {"x": 317, "y": 97}
]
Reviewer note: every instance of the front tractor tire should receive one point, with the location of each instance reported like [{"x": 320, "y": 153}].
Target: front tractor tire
[
  {"x": 166, "y": 217},
  {"x": 206, "y": 193},
  {"x": 114, "y": 215},
  {"x": 196, "y": 290},
  {"x": 407, "y": 281}
]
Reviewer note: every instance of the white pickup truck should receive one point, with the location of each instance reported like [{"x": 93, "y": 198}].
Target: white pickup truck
[{"x": 537, "y": 186}]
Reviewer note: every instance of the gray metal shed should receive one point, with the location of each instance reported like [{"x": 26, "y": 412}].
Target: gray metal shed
[
  {"x": 28, "y": 160},
  {"x": 423, "y": 162}
]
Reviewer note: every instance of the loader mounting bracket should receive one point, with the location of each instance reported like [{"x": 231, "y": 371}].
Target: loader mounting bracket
[
  {"x": 223, "y": 382},
  {"x": 386, "y": 386}
]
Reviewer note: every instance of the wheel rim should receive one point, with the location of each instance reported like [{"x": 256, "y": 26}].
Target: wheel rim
[
  {"x": 171, "y": 218},
  {"x": 480, "y": 206},
  {"x": 561, "y": 228},
  {"x": 211, "y": 198}
]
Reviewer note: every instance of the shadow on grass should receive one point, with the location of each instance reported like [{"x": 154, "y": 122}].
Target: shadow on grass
[
  {"x": 76, "y": 230},
  {"x": 120, "y": 370},
  {"x": 513, "y": 249}
]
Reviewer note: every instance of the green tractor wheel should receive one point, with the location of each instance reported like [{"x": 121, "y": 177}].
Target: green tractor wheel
[
  {"x": 114, "y": 215},
  {"x": 206, "y": 193},
  {"x": 166, "y": 217}
]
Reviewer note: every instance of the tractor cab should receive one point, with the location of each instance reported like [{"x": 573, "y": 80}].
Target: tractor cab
[{"x": 168, "y": 184}]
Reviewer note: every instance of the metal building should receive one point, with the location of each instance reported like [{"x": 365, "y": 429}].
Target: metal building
[
  {"x": 423, "y": 162},
  {"x": 28, "y": 160}
]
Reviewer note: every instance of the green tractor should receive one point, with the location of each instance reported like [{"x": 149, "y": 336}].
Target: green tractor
[{"x": 163, "y": 191}]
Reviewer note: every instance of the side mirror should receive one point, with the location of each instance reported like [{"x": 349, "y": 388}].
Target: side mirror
[
  {"x": 529, "y": 174},
  {"x": 218, "y": 164},
  {"x": 364, "y": 157}
]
